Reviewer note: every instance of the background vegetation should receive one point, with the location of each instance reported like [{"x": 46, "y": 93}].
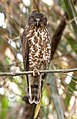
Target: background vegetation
[{"x": 13, "y": 18}]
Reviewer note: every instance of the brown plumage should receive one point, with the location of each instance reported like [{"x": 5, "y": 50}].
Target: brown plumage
[{"x": 36, "y": 51}]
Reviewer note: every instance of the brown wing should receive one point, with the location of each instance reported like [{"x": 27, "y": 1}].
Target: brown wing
[{"x": 25, "y": 51}]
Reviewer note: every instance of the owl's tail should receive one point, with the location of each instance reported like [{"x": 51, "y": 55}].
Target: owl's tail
[{"x": 34, "y": 89}]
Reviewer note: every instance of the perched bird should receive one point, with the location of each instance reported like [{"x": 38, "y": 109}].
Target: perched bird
[{"x": 36, "y": 50}]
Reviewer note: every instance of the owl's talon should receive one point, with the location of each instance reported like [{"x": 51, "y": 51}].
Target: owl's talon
[{"x": 36, "y": 72}]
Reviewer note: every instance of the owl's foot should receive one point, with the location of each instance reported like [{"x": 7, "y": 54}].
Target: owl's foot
[{"x": 36, "y": 72}]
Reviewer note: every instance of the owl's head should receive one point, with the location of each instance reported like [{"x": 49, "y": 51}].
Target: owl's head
[{"x": 37, "y": 19}]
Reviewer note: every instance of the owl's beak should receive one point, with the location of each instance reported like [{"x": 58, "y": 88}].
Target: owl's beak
[{"x": 37, "y": 22}]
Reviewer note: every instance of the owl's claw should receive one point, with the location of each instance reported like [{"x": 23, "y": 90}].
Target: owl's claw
[{"x": 36, "y": 72}]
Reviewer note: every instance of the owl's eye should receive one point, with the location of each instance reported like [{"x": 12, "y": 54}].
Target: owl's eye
[
  {"x": 31, "y": 20},
  {"x": 43, "y": 21}
]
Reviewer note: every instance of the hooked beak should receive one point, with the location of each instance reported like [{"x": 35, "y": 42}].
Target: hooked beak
[{"x": 37, "y": 22}]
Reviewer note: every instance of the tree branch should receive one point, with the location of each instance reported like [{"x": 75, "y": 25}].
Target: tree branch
[
  {"x": 35, "y": 5},
  {"x": 58, "y": 34},
  {"x": 41, "y": 71}
]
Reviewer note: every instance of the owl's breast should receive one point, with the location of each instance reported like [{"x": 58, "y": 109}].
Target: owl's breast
[{"x": 39, "y": 49}]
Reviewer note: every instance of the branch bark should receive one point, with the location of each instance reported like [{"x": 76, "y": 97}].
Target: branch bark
[
  {"x": 35, "y": 5},
  {"x": 58, "y": 34},
  {"x": 40, "y": 71}
]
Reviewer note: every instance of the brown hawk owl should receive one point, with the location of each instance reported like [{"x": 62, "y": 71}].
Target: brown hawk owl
[{"x": 36, "y": 49}]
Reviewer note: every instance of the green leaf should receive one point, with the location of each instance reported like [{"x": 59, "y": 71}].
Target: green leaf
[{"x": 4, "y": 107}]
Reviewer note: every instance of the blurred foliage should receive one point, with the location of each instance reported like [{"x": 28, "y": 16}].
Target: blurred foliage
[{"x": 13, "y": 16}]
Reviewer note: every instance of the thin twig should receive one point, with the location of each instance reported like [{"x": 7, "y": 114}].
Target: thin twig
[
  {"x": 40, "y": 71},
  {"x": 75, "y": 18}
]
